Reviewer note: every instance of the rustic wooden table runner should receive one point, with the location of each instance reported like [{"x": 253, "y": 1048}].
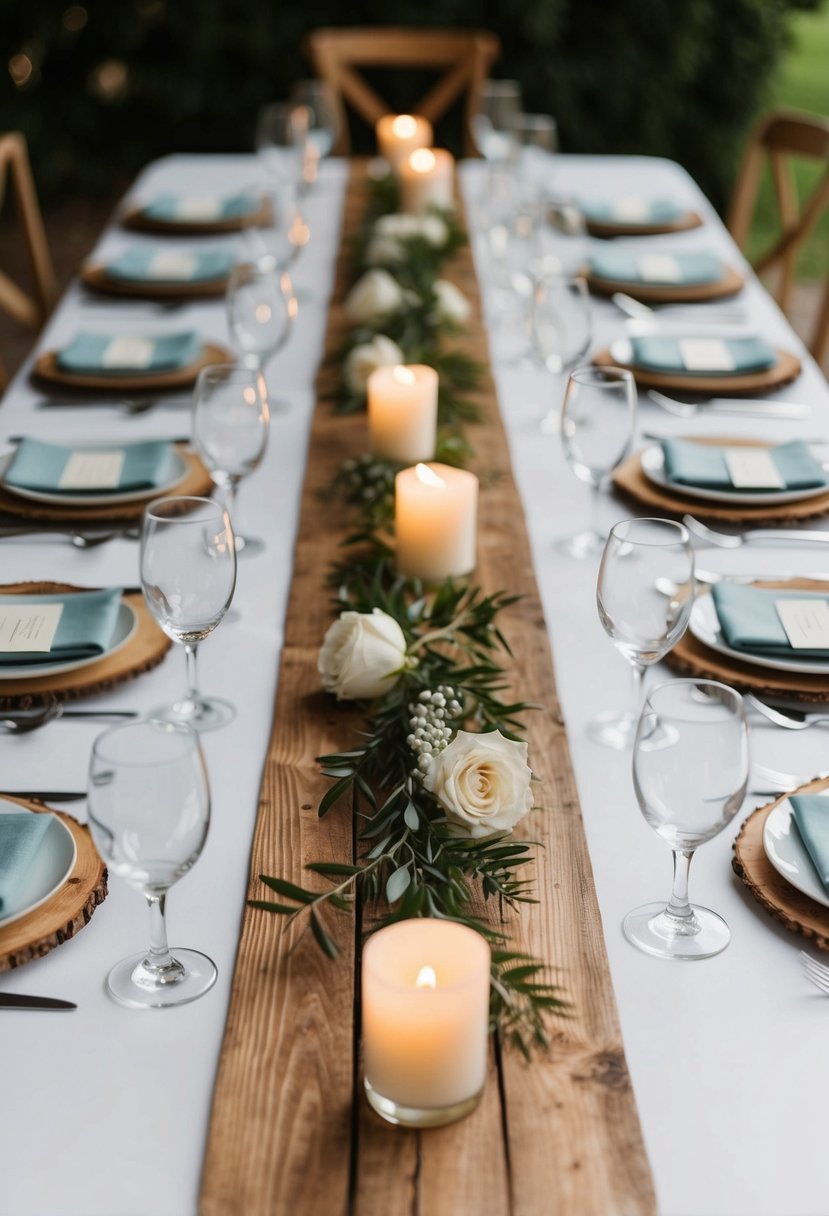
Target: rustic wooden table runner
[{"x": 290, "y": 1131}]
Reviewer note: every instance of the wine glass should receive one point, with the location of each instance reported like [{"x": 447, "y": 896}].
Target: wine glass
[
  {"x": 536, "y": 138},
  {"x": 277, "y": 145},
  {"x": 230, "y": 432},
  {"x": 598, "y": 422},
  {"x": 316, "y": 119},
  {"x": 493, "y": 122},
  {"x": 690, "y": 772},
  {"x": 277, "y": 240},
  {"x": 188, "y": 575},
  {"x": 641, "y": 559},
  {"x": 261, "y": 309},
  {"x": 149, "y": 809}
]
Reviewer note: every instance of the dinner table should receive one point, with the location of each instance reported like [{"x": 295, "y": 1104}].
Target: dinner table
[{"x": 106, "y": 1110}]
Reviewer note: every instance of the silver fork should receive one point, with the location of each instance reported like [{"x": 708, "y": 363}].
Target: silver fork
[
  {"x": 784, "y": 719},
  {"x": 817, "y": 972},
  {"x": 735, "y": 540},
  {"x": 717, "y": 405}
]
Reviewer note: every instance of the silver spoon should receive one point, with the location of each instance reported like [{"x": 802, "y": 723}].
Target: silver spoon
[
  {"x": 22, "y": 721},
  {"x": 736, "y": 540},
  {"x": 787, "y": 720}
]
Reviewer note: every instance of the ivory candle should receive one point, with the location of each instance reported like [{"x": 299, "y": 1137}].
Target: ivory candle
[
  {"x": 425, "y": 1020},
  {"x": 400, "y": 134},
  {"x": 403, "y": 412},
  {"x": 435, "y": 512},
  {"x": 426, "y": 180}
]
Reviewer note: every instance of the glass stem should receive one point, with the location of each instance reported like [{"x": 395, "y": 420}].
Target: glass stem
[
  {"x": 637, "y": 693},
  {"x": 678, "y": 905},
  {"x": 159, "y": 957},
  {"x": 193, "y": 694},
  {"x": 595, "y": 499}
]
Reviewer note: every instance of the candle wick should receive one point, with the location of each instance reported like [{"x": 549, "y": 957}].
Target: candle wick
[{"x": 426, "y": 978}]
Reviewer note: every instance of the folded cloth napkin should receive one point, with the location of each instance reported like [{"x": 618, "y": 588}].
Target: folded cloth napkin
[
  {"x": 632, "y": 210},
  {"x": 21, "y": 835},
  {"x": 141, "y": 264},
  {"x": 85, "y": 629},
  {"x": 119, "y": 354},
  {"x": 750, "y": 623},
  {"x": 703, "y": 465},
  {"x": 702, "y": 356},
  {"x": 811, "y": 814},
  {"x": 43, "y": 466},
  {"x": 195, "y": 208},
  {"x": 659, "y": 269}
]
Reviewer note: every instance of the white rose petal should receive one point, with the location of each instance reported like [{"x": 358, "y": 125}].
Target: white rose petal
[
  {"x": 452, "y": 304},
  {"x": 360, "y": 655},
  {"x": 362, "y": 360},
  {"x": 433, "y": 229},
  {"x": 482, "y": 782},
  {"x": 375, "y": 296}
]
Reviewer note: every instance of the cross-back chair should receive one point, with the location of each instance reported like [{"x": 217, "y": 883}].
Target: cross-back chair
[
  {"x": 782, "y": 137},
  {"x": 463, "y": 57}
]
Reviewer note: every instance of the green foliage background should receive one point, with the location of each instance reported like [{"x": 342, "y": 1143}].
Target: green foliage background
[{"x": 680, "y": 78}]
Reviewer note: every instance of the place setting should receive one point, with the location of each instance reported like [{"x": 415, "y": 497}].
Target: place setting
[
  {"x": 128, "y": 361},
  {"x": 156, "y": 272},
  {"x": 197, "y": 214},
  {"x": 636, "y": 215}
]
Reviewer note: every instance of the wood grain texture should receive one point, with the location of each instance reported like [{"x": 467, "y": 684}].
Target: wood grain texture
[{"x": 291, "y": 1134}]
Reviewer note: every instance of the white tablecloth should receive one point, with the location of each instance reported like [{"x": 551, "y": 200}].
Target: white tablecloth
[{"x": 104, "y": 1112}]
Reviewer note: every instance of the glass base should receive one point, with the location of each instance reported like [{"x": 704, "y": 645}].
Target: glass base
[
  {"x": 652, "y": 929},
  {"x": 582, "y": 545},
  {"x": 613, "y": 729},
  {"x": 130, "y": 983},
  {"x": 415, "y": 1116},
  {"x": 208, "y": 713},
  {"x": 249, "y": 546}
]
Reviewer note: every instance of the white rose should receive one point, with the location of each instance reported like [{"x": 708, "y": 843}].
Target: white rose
[
  {"x": 400, "y": 225},
  {"x": 375, "y": 296},
  {"x": 482, "y": 782},
  {"x": 360, "y": 654},
  {"x": 452, "y": 304},
  {"x": 433, "y": 229},
  {"x": 362, "y": 360}
]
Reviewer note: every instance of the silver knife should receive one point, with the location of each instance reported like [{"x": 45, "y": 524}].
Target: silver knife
[
  {"x": 46, "y": 795},
  {"x": 15, "y": 1000}
]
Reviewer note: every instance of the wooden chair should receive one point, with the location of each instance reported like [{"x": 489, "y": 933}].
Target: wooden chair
[
  {"x": 780, "y": 137},
  {"x": 463, "y": 57}
]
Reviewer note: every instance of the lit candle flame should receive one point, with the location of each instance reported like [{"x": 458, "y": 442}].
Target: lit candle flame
[
  {"x": 404, "y": 375},
  {"x": 404, "y": 126},
  {"x": 429, "y": 477},
  {"x": 426, "y": 978},
  {"x": 423, "y": 160}
]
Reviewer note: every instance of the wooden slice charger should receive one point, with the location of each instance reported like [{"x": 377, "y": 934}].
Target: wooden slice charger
[
  {"x": 95, "y": 276},
  {"x": 48, "y": 368},
  {"x": 139, "y": 221},
  {"x": 786, "y": 369},
  {"x": 796, "y": 911},
  {"x": 145, "y": 650},
  {"x": 67, "y": 911},
  {"x": 610, "y": 228},
  {"x": 667, "y": 293}
]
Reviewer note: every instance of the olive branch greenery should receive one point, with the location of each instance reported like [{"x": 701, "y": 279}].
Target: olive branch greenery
[{"x": 410, "y": 856}]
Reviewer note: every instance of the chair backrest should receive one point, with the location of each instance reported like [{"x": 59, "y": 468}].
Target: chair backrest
[
  {"x": 28, "y": 308},
  {"x": 780, "y": 138},
  {"x": 463, "y": 57}
]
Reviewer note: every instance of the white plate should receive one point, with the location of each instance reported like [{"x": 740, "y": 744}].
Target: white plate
[
  {"x": 787, "y": 853},
  {"x": 103, "y": 498},
  {"x": 653, "y": 466},
  {"x": 125, "y": 626},
  {"x": 705, "y": 627},
  {"x": 52, "y": 865}
]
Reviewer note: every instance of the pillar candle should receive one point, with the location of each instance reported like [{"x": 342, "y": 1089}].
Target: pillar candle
[
  {"x": 435, "y": 511},
  {"x": 426, "y": 180},
  {"x": 403, "y": 412},
  {"x": 400, "y": 134},
  {"x": 425, "y": 1019}
]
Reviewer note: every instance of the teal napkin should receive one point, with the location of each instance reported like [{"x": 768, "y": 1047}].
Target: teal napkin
[
  {"x": 655, "y": 211},
  {"x": 623, "y": 265},
  {"x": 39, "y": 466},
  {"x": 699, "y": 464},
  {"x": 661, "y": 354},
  {"x": 85, "y": 628},
  {"x": 133, "y": 265},
  {"x": 86, "y": 351},
  {"x": 236, "y": 206},
  {"x": 811, "y": 814},
  {"x": 749, "y": 621},
  {"x": 21, "y": 835}
]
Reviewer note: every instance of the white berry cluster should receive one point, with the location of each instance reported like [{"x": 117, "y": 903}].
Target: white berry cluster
[{"x": 431, "y": 731}]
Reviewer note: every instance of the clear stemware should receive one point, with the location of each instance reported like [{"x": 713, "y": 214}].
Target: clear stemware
[
  {"x": 536, "y": 138},
  {"x": 188, "y": 576},
  {"x": 493, "y": 122},
  {"x": 641, "y": 558},
  {"x": 598, "y": 424},
  {"x": 149, "y": 810},
  {"x": 316, "y": 120},
  {"x": 230, "y": 433},
  {"x": 690, "y": 772},
  {"x": 261, "y": 309},
  {"x": 276, "y": 144}
]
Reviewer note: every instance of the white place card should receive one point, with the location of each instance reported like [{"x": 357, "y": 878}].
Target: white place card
[
  {"x": 128, "y": 351},
  {"x": 806, "y": 623},
  {"x": 631, "y": 209},
  {"x": 753, "y": 469},
  {"x": 659, "y": 268},
  {"x": 92, "y": 471},
  {"x": 29, "y": 627},
  {"x": 171, "y": 265},
  {"x": 705, "y": 355},
  {"x": 198, "y": 207}
]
